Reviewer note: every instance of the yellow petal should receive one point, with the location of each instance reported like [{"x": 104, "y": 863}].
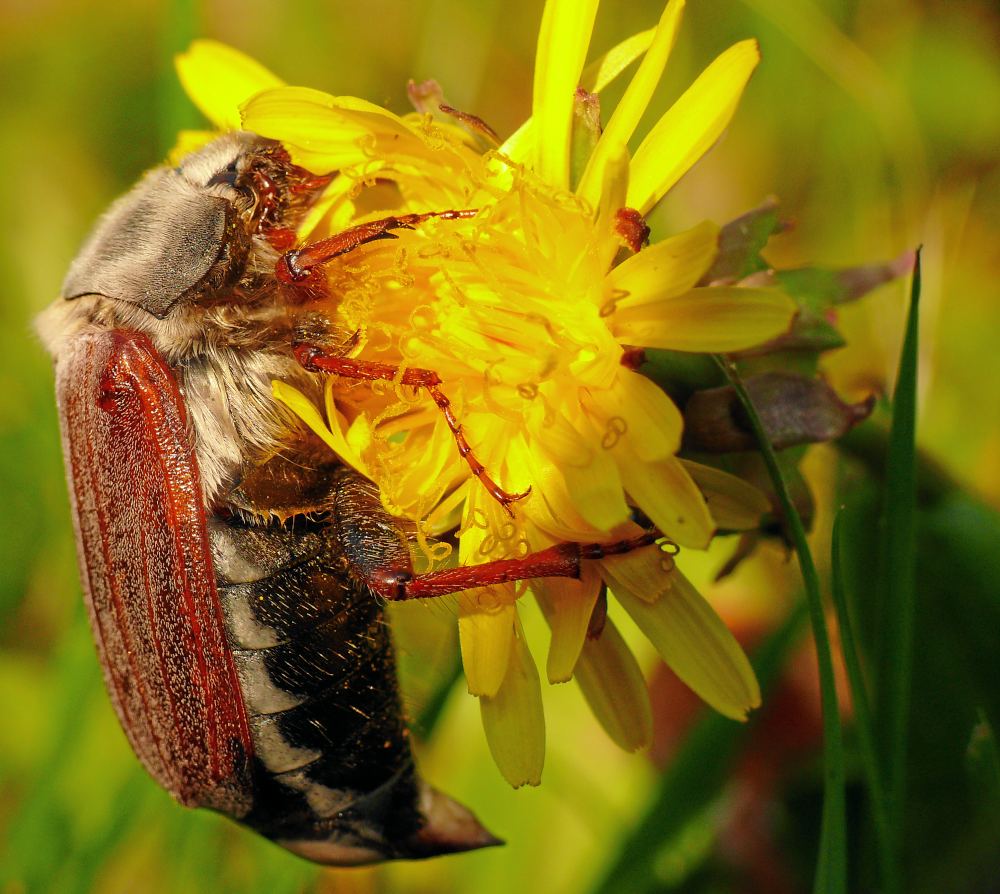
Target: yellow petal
[
  {"x": 486, "y": 631},
  {"x": 594, "y": 79},
  {"x": 336, "y": 201},
  {"x": 349, "y": 448},
  {"x": 605, "y": 69},
  {"x": 327, "y": 133},
  {"x": 633, "y": 104},
  {"x": 567, "y": 606},
  {"x": 637, "y": 414},
  {"x": 563, "y": 40},
  {"x": 447, "y": 515},
  {"x": 430, "y": 468},
  {"x": 612, "y": 199},
  {"x": 513, "y": 719},
  {"x": 358, "y": 435},
  {"x": 597, "y": 494},
  {"x": 552, "y": 506},
  {"x": 611, "y": 681},
  {"x": 711, "y": 319},
  {"x": 735, "y": 504},
  {"x": 220, "y": 79},
  {"x": 668, "y": 268},
  {"x": 575, "y": 480},
  {"x": 692, "y": 639},
  {"x": 645, "y": 573},
  {"x": 666, "y": 493},
  {"x": 691, "y": 125}
]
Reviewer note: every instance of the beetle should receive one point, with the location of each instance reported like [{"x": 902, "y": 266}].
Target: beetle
[{"x": 235, "y": 573}]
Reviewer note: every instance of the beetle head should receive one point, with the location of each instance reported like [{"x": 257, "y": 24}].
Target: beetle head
[{"x": 186, "y": 234}]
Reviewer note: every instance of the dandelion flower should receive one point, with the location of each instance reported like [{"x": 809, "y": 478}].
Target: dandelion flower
[{"x": 528, "y": 311}]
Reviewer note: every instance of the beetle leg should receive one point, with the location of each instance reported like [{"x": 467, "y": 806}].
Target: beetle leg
[
  {"x": 316, "y": 359},
  {"x": 294, "y": 268},
  {"x": 561, "y": 560}
]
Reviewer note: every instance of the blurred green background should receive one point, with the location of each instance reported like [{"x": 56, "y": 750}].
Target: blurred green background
[{"x": 878, "y": 126}]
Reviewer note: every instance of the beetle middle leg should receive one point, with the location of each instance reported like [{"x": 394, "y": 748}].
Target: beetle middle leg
[{"x": 316, "y": 359}]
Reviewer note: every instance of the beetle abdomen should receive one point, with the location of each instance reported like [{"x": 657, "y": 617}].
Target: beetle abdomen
[
  {"x": 333, "y": 774},
  {"x": 316, "y": 668}
]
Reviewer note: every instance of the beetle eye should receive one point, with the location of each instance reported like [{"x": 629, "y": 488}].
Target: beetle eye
[
  {"x": 232, "y": 178},
  {"x": 226, "y": 176}
]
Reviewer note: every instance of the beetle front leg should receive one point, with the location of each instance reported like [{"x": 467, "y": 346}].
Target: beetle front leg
[
  {"x": 294, "y": 268},
  {"x": 316, "y": 359},
  {"x": 561, "y": 560}
]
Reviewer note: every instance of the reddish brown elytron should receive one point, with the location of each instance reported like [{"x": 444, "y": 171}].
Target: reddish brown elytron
[{"x": 148, "y": 578}]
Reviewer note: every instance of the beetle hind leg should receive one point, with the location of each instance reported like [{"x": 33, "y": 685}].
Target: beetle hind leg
[
  {"x": 561, "y": 560},
  {"x": 389, "y": 574}
]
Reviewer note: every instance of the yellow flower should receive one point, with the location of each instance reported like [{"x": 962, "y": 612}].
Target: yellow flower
[{"x": 526, "y": 311}]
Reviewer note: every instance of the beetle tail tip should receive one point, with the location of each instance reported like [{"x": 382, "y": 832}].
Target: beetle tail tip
[{"x": 449, "y": 827}]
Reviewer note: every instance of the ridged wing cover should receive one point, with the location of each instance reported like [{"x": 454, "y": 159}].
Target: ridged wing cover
[{"x": 147, "y": 570}]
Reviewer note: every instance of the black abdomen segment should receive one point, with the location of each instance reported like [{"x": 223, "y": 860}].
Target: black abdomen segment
[{"x": 332, "y": 764}]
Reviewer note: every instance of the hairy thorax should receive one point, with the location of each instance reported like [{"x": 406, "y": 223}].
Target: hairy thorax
[{"x": 225, "y": 357}]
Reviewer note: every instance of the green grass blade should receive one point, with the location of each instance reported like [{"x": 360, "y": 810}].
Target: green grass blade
[
  {"x": 695, "y": 778},
  {"x": 899, "y": 562},
  {"x": 831, "y": 869},
  {"x": 859, "y": 698}
]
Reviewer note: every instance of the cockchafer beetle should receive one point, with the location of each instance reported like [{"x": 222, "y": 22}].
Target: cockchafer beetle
[{"x": 233, "y": 571}]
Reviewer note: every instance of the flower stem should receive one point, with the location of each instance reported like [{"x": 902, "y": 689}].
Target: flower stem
[{"x": 831, "y": 869}]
